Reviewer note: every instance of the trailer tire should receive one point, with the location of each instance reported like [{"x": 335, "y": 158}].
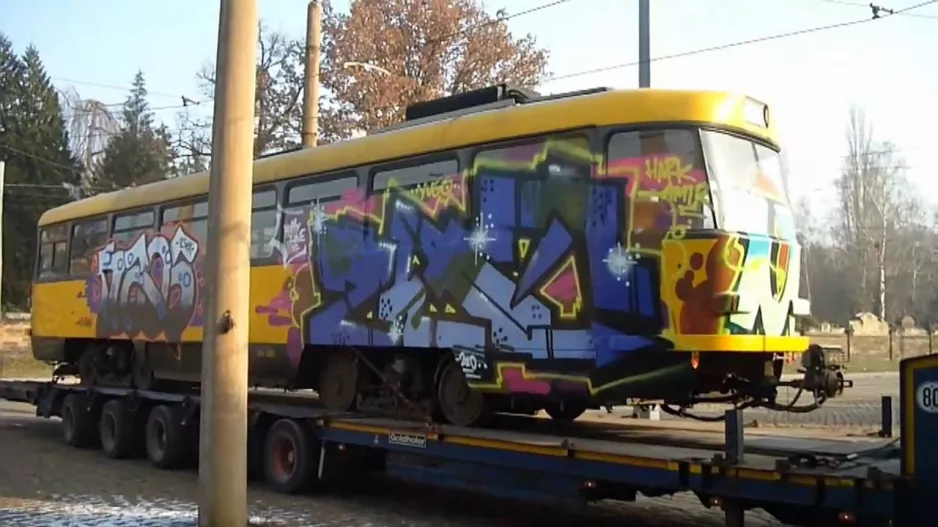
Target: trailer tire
[
  {"x": 290, "y": 457},
  {"x": 118, "y": 430},
  {"x": 79, "y": 426},
  {"x": 165, "y": 437}
]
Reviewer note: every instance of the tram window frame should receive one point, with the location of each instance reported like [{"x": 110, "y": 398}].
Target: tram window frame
[
  {"x": 583, "y": 134},
  {"x": 324, "y": 181},
  {"x": 262, "y": 250},
  {"x": 127, "y": 234},
  {"x": 322, "y": 189},
  {"x": 586, "y": 135},
  {"x": 377, "y": 182},
  {"x": 90, "y": 245},
  {"x": 55, "y": 238},
  {"x": 199, "y": 217},
  {"x": 711, "y": 210}
]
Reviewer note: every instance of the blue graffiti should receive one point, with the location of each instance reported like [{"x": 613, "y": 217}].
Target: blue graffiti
[{"x": 456, "y": 280}]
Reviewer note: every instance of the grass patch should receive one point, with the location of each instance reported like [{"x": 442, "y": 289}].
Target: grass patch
[
  {"x": 872, "y": 364},
  {"x": 20, "y": 365}
]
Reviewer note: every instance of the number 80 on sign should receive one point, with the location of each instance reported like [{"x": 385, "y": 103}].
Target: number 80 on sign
[{"x": 926, "y": 397}]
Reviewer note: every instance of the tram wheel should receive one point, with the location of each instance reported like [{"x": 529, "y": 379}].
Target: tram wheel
[
  {"x": 165, "y": 437},
  {"x": 338, "y": 381},
  {"x": 564, "y": 411},
  {"x": 87, "y": 369},
  {"x": 289, "y": 457},
  {"x": 140, "y": 370},
  {"x": 457, "y": 402},
  {"x": 79, "y": 427},
  {"x": 117, "y": 427}
]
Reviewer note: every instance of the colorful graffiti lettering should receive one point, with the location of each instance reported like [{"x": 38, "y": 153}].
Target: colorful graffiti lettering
[
  {"x": 539, "y": 265},
  {"x": 538, "y": 271},
  {"x": 293, "y": 248},
  {"x": 150, "y": 287}
]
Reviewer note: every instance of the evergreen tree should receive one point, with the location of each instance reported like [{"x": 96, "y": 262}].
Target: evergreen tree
[
  {"x": 141, "y": 152},
  {"x": 39, "y": 166},
  {"x": 11, "y": 77}
]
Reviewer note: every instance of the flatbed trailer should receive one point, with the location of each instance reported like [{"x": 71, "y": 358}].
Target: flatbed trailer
[{"x": 295, "y": 445}]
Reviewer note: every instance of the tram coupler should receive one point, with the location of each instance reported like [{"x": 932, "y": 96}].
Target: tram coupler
[{"x": 822, "y": 372}]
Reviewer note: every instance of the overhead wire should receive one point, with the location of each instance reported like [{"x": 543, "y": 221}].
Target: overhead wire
[
  {"x": 720, "y": 47},
  {"x": 747, "y": 42},
  {"x": 466, "y": 31},
  {"x": 867, "y": 6},
  {"x": 503, "y": 18},
  {"x": 113, "y": 87}
]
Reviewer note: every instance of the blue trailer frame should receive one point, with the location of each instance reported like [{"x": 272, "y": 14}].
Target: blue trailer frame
[{"x": 801, "y": 482}]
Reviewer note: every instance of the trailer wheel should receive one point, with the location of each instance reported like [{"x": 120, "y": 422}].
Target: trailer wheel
[
  {"x": 78, "y": 424},
  {"x": 289, "y": 457},
  {"x": 118, "y": 431},
  {"x": 165, "y": 437},
  {"x": 565, "y": 412}
]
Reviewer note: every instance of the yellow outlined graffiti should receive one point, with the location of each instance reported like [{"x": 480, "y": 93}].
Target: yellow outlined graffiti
[
  {"x": 679, "y": 186},
  {"x": 567, "y": 310},
  {"x": 498, "y": 382}
]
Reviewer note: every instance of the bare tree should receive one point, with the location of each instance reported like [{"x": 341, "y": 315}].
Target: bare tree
[
  {"x": 386, "y": 54},
  {"x": 876, "y": 206},
  {"x": 278, "y": 100},
  {"x": 90, "y": 124}
]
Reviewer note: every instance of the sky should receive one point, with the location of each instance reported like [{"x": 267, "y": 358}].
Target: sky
[{"x": 809, "y": 80}]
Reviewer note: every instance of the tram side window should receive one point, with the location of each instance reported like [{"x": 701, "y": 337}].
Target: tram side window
[
  {"x": 549, "y": 176},
  {"x": 671, "y": 192},
  {"x": 418, "y": 179},
  {"x": 87, "y": 237},
  {"x": 53, "y": 251},
  {"x": 301, "y": 198},
  {"x": 129, "y": 227},
  {"x": 263, "y": 224},
  {"x": 192, "y": 217},
  {"x": 322, "y": 189}
]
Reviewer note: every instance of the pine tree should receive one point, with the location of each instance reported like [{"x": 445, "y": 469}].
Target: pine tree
[
  {"x": 39, "y": 166},
  {"x": 141, "y": 152},
  {"x": 11, "y": 77}
]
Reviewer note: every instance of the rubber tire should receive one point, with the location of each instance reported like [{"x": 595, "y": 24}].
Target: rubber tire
[
  {"x": 566, "y": 414},
  {"x": 79, "y": 426},
  {"x": 306, "y": 461},
  {"x": 117, "y": 428},
  {"x": 175, "y": 450}
]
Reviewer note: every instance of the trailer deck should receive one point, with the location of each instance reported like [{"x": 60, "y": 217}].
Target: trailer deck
[{"x": 800, "y": 481}]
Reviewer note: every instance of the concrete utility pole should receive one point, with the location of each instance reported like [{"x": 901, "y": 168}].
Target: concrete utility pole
[
  {"x": 310, "y": 133},
  {"x": 223, "y": 433},
  {"x": 644, "y": 44}
]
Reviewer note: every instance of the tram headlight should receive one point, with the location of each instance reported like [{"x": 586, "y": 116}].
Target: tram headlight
[{"x": 756, "y": 112}]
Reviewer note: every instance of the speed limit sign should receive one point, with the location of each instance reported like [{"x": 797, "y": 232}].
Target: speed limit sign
[{"x": 926, "y": 397}]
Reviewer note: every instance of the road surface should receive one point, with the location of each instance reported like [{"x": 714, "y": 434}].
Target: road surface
[
  {"x": 858, "y": 410},
  {"x": 45, "y": 483}
]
